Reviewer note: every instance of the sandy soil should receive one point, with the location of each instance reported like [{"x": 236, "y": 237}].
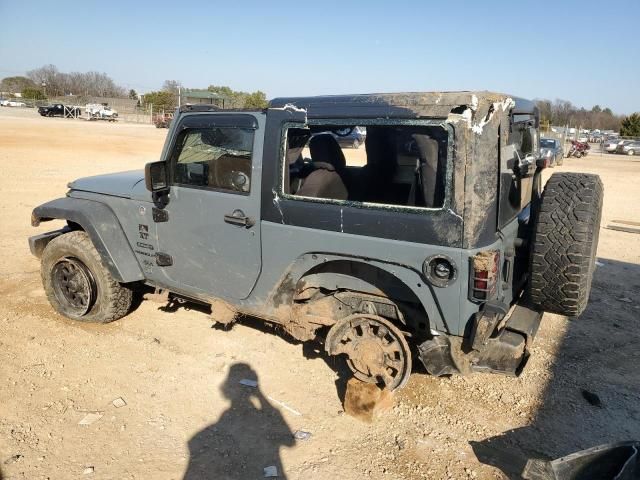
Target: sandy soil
[{"x": 185, "y": 410}]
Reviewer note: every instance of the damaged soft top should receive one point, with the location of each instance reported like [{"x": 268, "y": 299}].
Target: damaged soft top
[{"x": 409, "y": 105}]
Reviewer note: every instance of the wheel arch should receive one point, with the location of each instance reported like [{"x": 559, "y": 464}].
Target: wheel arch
[
  {"x": 330, "y": 273},
  {"x": 103, "y": 228}
]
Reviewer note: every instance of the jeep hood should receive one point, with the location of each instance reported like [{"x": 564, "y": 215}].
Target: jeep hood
[{"x": 124, "y": 184}]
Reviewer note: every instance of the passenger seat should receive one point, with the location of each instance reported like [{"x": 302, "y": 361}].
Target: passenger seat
[{"x": 325, "y": 181}]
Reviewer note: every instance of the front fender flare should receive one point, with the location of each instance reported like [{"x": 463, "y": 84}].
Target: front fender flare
[{"x": 104, "y": 229}]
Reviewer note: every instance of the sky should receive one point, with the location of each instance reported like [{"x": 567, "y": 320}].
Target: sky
[{"x": 582, "y": 51}]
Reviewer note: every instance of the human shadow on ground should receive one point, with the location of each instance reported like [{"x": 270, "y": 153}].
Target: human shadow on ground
[
  {"x": 245, "y": 440},
  {"x": 593, "y": 394}
]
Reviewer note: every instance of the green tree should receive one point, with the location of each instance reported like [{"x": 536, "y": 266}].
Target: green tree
[
  {"x": 33, "y": 94},
  {"x": 630, "y": 126},
  {"x": 16, "y": 84},
  {"x": 233, "y": 99},
  {"x": 133, "y": 95},
  {"x": 596, "y": 109},
  {"x": 257, "y": 100},
  {"x": 160, "y": 100}
]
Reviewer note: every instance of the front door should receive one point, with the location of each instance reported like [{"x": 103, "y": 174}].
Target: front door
[{"x": 211, "y": 236}]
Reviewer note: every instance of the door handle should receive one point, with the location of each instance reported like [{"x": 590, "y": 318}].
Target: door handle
[{"x": 237, "y": 217}]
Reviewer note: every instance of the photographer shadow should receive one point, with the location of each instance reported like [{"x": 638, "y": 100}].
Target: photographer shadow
[{"x": 245, "y": 440}]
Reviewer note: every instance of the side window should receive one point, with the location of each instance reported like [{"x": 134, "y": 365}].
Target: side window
[
  {"x": 218, "y": 158},
  {"x": 397, "y": 165}
]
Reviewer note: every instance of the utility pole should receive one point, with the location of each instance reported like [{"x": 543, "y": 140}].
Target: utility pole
[{"x": 179, "y": 96}]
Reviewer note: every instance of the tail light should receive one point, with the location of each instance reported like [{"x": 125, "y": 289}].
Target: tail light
[{"x": 485, "y": 272}]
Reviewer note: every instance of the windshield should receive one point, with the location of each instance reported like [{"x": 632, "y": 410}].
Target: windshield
[{"x": 547, "y": 143}]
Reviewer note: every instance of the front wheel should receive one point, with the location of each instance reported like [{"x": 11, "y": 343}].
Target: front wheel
[
  {"x": 78, "y": 285},
  {"x": 631, "y": 152}
]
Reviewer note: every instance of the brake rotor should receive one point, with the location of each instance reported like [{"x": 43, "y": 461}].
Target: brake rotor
[{"x": 377, "y": 351}]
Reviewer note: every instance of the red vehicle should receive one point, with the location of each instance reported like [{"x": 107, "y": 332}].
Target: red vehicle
[
  {"x": 578, "y": 149},
  {"x": 163, "y": 120}
]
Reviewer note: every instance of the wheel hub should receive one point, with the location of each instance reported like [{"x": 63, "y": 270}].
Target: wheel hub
[
  {"x": 73, "y": 286},
  {"x": 376, "y": 350}
]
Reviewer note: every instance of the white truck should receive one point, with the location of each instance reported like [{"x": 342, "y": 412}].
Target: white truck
[{"x": 100, "y": 111}]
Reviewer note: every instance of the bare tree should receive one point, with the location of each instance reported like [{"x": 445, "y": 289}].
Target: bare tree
[
  {"x": 171, "y": 86},
  {"x": 57, "y": 83}
]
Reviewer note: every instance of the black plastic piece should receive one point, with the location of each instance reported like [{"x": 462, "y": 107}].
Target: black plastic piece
[
  {"x": 485, "y": 323},
  {"x": 503, "y": 354},
  {"x": 616, "y": 461},
  {"x": 159, "y": 215},
  {"x": 436, "y": 356},
  {"x": 164, "y": 259}
]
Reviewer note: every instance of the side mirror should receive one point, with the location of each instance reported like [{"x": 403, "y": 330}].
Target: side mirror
[{"x": 155, "y": 176}]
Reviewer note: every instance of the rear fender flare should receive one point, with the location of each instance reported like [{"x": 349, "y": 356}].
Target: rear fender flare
[
  {"x": 104, "y": 229},
  {"x": 302, "y": 274}
]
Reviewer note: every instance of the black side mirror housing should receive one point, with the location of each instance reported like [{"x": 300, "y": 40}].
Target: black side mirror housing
[{"x": 155, "y": 176}]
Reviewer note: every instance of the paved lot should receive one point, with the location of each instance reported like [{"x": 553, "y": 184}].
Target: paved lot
[{"x": 178, "y": 376}]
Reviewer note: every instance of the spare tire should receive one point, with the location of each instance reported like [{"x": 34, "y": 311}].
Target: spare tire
[{"x": 564, "y": 242}]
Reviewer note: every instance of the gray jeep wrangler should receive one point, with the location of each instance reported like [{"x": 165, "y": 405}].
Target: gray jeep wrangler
[{"x": 434, "y": 242}]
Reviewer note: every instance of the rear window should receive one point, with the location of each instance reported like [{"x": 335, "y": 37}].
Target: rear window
[{"x": 398, "y": 165}]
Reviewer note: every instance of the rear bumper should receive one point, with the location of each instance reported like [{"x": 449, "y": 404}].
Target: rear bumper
[{"x": 500, "y": 342}]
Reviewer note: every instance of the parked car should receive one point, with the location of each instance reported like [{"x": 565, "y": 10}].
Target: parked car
[
  {"x": 552, "y": 149},
  {"x": 100, "y": 111},
  {"x": 418, "y": 255},
  {"x": 351, "y": 137},
  {"x": 611, "y": 144},
  {"x": 12, "y": 103},
  {"x": 629, "y": 147},
  {"x": 163, "y": 120},
  {"x": 583, "y": 138},
  {"x": 60, "y": 110}
]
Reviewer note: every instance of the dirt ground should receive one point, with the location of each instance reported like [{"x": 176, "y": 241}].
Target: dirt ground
[{"x": 185, "y": 410}]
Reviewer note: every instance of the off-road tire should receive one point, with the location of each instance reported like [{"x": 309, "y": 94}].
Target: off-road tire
[
  {"x": 111, "y": 299},
  {"x": 564, "y": 243}
]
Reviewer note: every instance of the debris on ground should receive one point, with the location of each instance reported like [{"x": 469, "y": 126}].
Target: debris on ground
[
  {"x": 285, "y": 406},
  {"x": 119, "y": 402},
  {"x": 89, "y": 418},
  {"x": 622, "y": 229},
  {"x": 270, "y": 471},
  {"x": 301, "y": 435},
  {"x": 366, "y": 401},
  {"x": 14, "y": 458},
  {"x": 88, "y": 471},
  {"x": 627, "y": 222},
  {"x": 592, "y": 398},
  {"x": 248, "y": 383}
]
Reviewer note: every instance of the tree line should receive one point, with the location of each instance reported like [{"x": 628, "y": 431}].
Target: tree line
[
  {"x": 48, "y": 81},
  {"x": 563, "y": 112},
  {"x": 167, "y": 98}
]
